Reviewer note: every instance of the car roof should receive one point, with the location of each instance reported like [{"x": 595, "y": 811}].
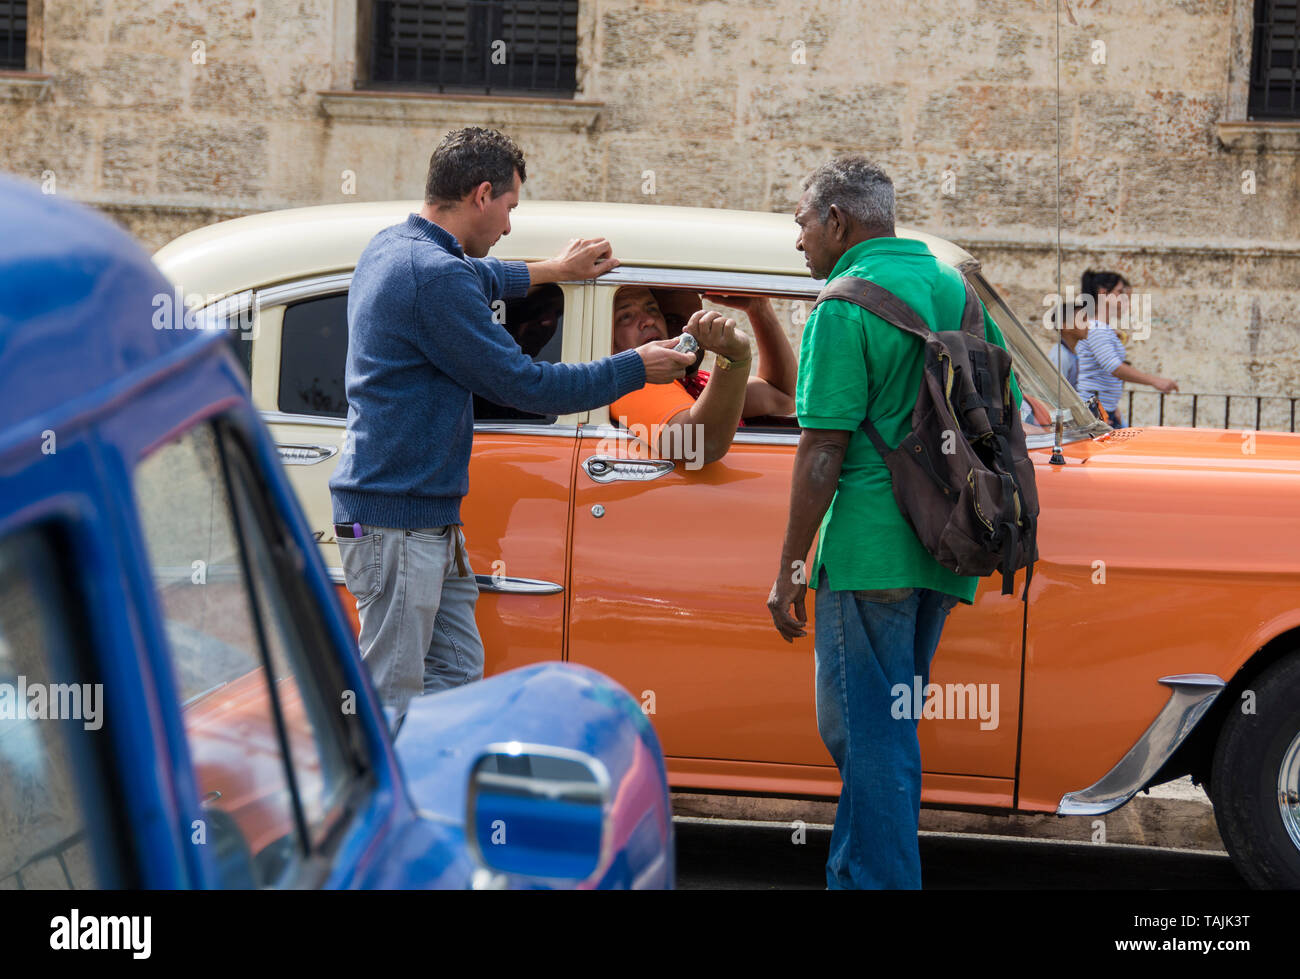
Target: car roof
[
  {"x": 78, "y": 298},
  {"x": 278, "y": 246}
]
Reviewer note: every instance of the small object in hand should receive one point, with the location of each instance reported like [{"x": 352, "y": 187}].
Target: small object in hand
[{"x": 689, "y": 345}]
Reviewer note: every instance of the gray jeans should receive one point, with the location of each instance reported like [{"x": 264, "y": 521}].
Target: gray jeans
[{"x": 418, "y": 633}]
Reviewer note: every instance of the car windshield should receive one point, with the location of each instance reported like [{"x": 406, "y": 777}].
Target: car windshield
[{"x": 1039, "y": 379}]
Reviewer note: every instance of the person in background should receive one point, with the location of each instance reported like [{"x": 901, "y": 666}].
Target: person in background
[
  {"x": 1071, "y": 321},
  {"x": 1103, "y": 368}
]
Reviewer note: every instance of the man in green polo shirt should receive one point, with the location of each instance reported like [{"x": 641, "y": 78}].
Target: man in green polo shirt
[{"x": 881, "y": 598}]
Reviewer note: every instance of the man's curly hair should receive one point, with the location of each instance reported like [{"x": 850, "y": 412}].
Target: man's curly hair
[{"x": 467, "y": 157}]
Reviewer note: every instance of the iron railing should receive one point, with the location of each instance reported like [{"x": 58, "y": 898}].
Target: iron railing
[
  {"x": 1275, "y": 61},
  {"x": 1262, "y": 412},
  {"x": 488, "y": 46}
]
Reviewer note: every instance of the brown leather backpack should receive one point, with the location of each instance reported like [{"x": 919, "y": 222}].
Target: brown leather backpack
[{"x": 962, "y": 477}]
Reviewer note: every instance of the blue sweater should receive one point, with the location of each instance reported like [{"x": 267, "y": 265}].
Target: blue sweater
[{"x": 421, "y": 343}]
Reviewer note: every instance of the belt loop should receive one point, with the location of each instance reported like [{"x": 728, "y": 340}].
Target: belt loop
[{"x": 460, "y": 552}]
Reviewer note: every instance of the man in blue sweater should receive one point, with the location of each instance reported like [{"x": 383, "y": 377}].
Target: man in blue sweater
[{"x": 421, "y": 343}]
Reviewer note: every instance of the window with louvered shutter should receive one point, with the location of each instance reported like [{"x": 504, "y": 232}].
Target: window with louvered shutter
[
  {"x": 13, "y": 35},
  {"x": 450, "y": 46},
  {"x": 1275, "y": 61}
]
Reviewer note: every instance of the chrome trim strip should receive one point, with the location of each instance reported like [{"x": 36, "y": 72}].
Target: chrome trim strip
[
  {"x": 1190, "y": 697},
  {"x": 743, "y": 437},
  {"x": 768, "y": 283},
  {"x": 517, "y": 428},
  {"x": 517, "y": 586},
  {"x": 488, "y": 428},
  {"x": 750, "y": 438},
  {"x": 304, "y": 288},
  {"x": 766, "y": 438},
  {"x": 286, "y": 418},
  {"x": 502, "y": 585}
]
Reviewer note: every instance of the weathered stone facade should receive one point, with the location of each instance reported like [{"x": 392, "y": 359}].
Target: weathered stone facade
[{"x": 730, "y": 103}]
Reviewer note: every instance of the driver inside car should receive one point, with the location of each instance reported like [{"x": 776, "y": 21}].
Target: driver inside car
[{"x": 704, "y": 409}]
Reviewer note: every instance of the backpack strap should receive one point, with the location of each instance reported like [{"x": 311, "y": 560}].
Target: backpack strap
[
  {"x": 972, "y": 317},
  {"x": 876, "y": 299},
  {"x": 879, "y": 300}
]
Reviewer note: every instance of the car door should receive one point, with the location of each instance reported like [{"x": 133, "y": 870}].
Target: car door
[
  {"x": 671, "y": 570},
  {"x": 516, "y": 515}
]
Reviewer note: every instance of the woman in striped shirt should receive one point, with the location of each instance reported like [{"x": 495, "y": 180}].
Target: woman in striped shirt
[{"x": 1103, "y": 364}]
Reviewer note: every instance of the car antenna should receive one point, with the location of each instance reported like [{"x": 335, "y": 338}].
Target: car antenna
[{"x": 1058, "y": 457}]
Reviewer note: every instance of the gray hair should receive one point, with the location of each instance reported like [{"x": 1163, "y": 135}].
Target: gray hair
[{"x": 855, "y": 185}]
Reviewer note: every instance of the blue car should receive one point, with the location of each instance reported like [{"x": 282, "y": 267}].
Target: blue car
[{"x": 182, "y": 704}]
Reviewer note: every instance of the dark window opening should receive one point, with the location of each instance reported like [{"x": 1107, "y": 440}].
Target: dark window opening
[
  {"x": 487, "y": 46},
  {"x": 313, "y": 351},
  {"x": 13, "y": 35},
  {"x": 1275, "y": 61}
]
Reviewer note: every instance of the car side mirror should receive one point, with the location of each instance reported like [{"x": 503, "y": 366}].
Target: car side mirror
[{"x": 539, "y": 812}]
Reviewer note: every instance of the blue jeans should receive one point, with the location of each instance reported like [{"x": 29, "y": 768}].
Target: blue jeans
[
  {"x": 867, "y": 643},
  {"x": 418, "y": 633}
]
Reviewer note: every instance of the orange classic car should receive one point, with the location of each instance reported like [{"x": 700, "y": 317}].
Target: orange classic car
[{"x": 1162, "y": 634}]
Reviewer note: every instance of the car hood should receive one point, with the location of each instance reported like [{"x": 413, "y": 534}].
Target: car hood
[{"x": 1199, "y": 449}]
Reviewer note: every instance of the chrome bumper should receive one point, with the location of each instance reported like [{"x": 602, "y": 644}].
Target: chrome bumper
[{"x": 1191, "y": 696}]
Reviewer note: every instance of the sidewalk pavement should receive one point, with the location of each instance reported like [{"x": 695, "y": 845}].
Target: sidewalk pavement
[{"x": 1176, "y": 815}]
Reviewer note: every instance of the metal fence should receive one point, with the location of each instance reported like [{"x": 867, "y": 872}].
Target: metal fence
[
  {"x": 1262, "y": 412},
  {"x": 488, "y": 46}
]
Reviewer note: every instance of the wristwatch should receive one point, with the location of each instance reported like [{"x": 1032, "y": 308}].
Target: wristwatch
[{"x": 727, "y": 364}]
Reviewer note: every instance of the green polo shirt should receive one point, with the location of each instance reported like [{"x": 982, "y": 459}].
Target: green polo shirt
[{"x": 853, "y": 364}]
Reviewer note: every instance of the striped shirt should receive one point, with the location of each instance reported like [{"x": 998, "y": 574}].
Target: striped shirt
[
  {"x": 1100, "y": 353},
  {"x": 1067, "y": 363}
]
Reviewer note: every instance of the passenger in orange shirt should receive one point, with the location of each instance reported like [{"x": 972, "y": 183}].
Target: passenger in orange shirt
[{"x": 717, "y": 402}]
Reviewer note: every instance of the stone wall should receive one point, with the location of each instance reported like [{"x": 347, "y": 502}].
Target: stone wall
[{"x": 170, "y": 114}]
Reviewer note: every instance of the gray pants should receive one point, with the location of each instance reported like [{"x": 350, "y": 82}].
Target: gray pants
[{"x": 418, "y": 633}]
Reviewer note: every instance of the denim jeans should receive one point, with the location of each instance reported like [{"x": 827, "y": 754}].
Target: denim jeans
[
  {"x": 418, "y": 633},
  {"x": 866, "y": 643}
]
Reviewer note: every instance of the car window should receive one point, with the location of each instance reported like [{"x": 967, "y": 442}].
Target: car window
[
  {"x": 314, "y": 351},
  {"x": 630, "y": 326},
  {"x": 264, "y": 807},
  {"x": 43, "y": 837}
]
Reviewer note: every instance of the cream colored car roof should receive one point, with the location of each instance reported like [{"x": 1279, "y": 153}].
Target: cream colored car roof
[{"x": 264, "y": 249}]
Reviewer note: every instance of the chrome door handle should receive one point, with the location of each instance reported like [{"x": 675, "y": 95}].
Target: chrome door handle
[
  {"x": 603, "y": 469},
  {"x": 305, "y": 455},
  {"x": 517, "y": 586}
]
